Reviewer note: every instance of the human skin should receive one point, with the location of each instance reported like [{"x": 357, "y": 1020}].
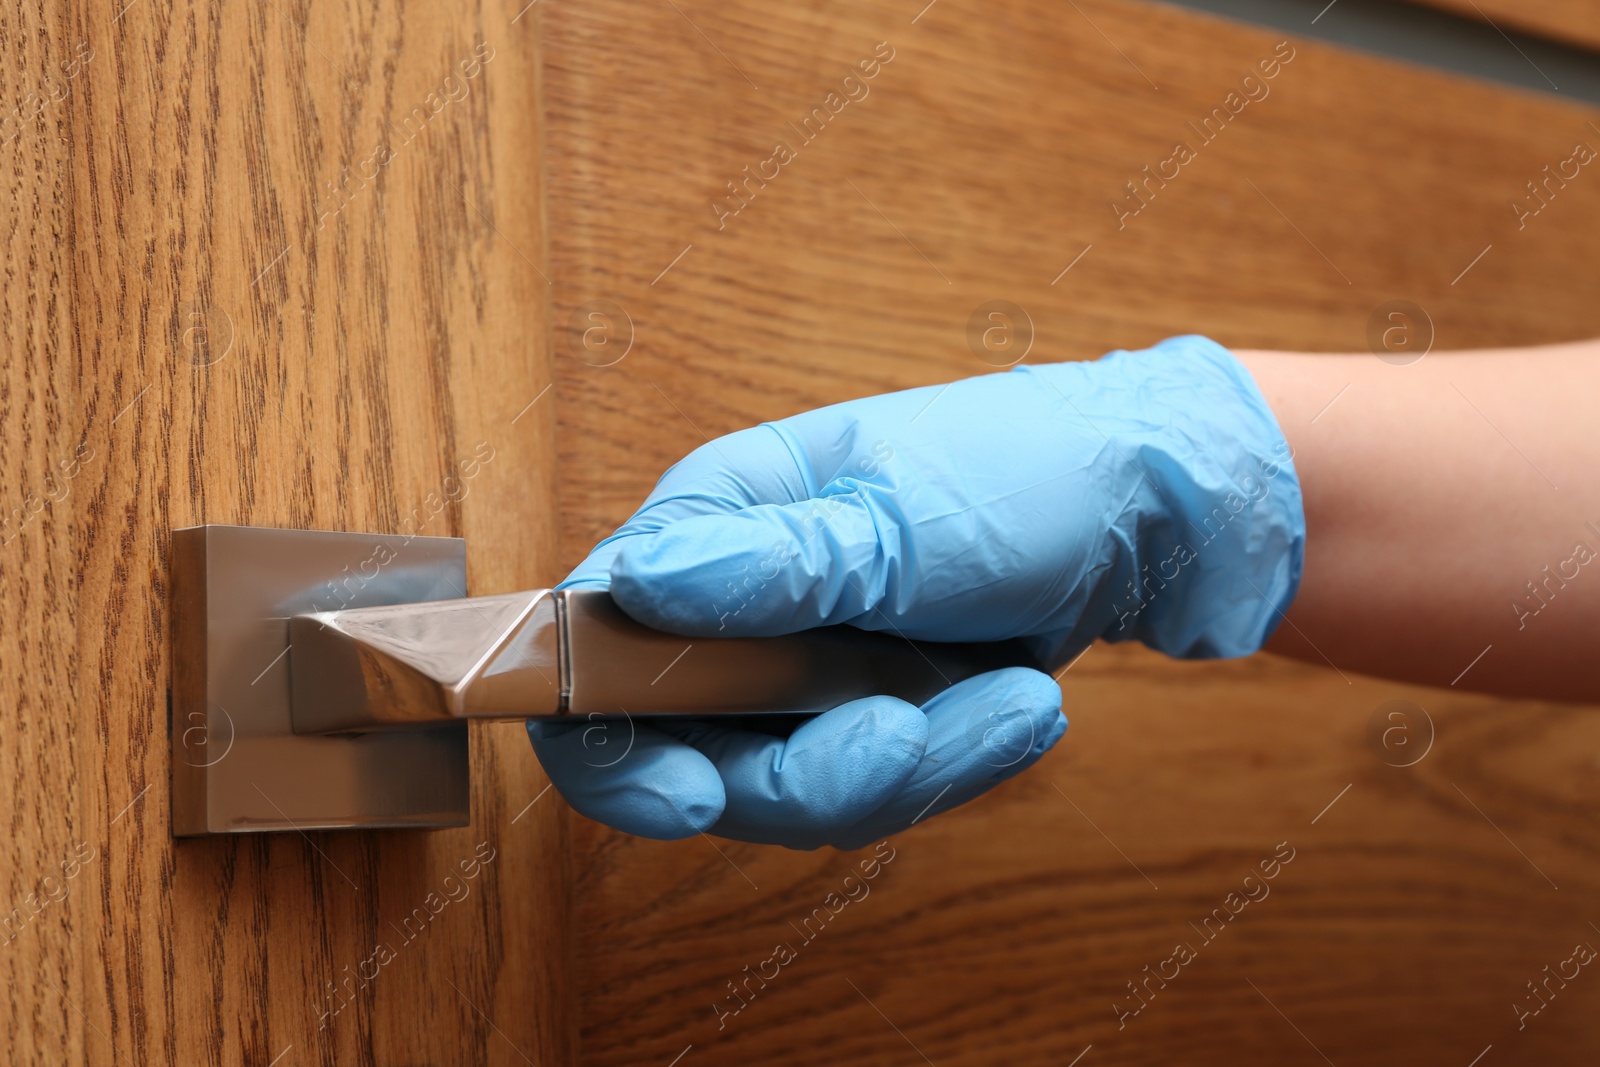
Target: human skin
[{"x": 1434, "y": 494}]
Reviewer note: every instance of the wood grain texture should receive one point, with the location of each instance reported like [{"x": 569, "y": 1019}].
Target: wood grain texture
[
  {"x": 44, "y": 889},
  {"x": 254, "y": 315},
  {"x": 1573, "y": 21},
  {"x": 982, "y": 164}
]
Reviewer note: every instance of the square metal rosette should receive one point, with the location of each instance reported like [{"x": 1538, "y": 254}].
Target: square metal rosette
[{"x": 237, "y": 765}]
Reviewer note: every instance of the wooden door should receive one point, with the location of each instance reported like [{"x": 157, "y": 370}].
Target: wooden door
[
  {"x": 985, "y": 159},
  {"x": 286, "y": 263},
  {"x": 275, "y": 263}
]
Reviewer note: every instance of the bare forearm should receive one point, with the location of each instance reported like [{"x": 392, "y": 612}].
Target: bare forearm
[{"x": 1452, "y": 507}]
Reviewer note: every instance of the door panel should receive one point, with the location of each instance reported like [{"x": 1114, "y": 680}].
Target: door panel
[
  {"x": 983, "y": 164},
  {"x": 275, "y": 264}
]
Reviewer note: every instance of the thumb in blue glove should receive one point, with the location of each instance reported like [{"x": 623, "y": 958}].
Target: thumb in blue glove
[{"x": 1144, "y": 496}]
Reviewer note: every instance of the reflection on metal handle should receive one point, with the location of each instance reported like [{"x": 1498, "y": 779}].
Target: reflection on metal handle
[{"x": 548, "y": 653}]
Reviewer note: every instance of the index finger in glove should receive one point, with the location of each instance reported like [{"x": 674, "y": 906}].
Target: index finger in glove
[{"x": 745, "y": 468}]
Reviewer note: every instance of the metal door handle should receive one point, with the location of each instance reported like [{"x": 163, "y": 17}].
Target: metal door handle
[
  {"x": 323, "y": 680},
  {"x": 548, "y": 653}
]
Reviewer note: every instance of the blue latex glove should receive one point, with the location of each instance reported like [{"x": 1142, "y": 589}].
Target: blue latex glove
[{"x": 1146, "y": 495}]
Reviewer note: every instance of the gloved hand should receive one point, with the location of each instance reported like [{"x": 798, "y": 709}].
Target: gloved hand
[{"x": 1147, "y": 495}]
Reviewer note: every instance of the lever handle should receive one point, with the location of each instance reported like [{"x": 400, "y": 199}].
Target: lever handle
[{"x": 552, "y": 653}]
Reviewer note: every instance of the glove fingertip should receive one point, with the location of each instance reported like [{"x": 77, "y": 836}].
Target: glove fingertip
[
  {"x": 657, "y": 579},
  {"x": 880, "y": 738},
  {"x": 1037, "y": 698},
  {"x": 664, "y": 815},
  {"x": 657, "y": 788},
  {"x": 708, "y": 576}
]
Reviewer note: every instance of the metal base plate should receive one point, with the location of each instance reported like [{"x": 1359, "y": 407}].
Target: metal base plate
[{"x": 237, "y": 766}]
